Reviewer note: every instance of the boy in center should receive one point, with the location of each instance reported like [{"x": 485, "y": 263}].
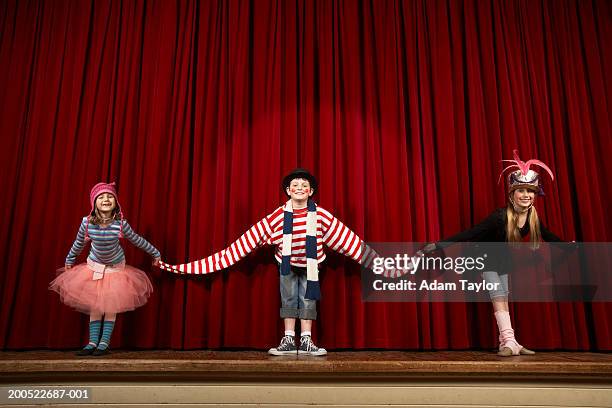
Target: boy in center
[{"x": 299, "y": 229}]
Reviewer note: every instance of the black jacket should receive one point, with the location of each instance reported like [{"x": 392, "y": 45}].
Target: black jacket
[{"x": 493, "y": 229}]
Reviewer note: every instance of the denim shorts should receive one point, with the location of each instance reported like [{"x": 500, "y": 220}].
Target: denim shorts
[
  {"x": 292, "y": 290},
  {"x": 500, "y": 280}
]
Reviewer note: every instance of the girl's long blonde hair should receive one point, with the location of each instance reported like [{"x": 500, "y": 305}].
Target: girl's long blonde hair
[{"x": 513, "y": 233}]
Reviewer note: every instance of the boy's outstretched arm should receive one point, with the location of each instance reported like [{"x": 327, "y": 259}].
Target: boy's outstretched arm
[
  {"x": 343, "y": 240},
  {"x": 255, "y": 237}
]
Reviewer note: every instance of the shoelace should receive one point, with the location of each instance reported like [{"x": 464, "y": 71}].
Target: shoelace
[
  {"x": 285, "y": 342},
  {"x": 307, "y": 341}
]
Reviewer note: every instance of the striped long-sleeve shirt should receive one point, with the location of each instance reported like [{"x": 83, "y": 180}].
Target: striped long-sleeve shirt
[
  {"x": 269, "y": 230},
  {"x": 105, "y": 246}
]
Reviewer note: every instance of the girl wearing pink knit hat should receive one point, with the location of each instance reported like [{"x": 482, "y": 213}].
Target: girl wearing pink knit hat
[{"x": 104, "y": 285}]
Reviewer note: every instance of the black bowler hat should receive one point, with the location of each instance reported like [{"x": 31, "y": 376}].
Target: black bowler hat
[{"x": 300, "y": 174}]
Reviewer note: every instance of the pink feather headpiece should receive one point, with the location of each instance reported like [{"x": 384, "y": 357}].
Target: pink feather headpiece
[{"x": 524, "y": 177}]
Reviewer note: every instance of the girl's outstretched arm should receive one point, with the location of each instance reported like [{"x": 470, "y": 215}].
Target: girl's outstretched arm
[
  {"x": 77, "y": 246},
  {"x": 139, "y": 241}
]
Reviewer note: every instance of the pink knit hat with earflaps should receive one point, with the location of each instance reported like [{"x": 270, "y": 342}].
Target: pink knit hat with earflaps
[{"x": 96, "y": 190}]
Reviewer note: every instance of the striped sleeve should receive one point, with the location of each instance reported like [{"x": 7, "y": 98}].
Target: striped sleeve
[
  {"x": 138, "y": 241},
  {"x": 78, "y": 245},
  {"x": 341, "y": 239},
  {"x": 255, "y": 237}
]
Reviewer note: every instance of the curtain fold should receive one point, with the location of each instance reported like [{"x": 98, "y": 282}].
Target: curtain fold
[{"x": 402, "y": 109}]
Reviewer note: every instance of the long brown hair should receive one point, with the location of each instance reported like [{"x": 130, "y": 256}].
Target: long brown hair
[
  {"x": 95, "y": 218},
  {"x": 513, "y": 233}
]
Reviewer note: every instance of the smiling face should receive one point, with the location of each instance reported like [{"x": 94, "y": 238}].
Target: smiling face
[
  {"x": 299, "y": 190},
  {"x": 106, "y": 203},
  {"x": 523, "y": 198}
]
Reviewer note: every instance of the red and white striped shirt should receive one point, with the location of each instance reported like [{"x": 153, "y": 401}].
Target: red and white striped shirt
[{"x": 269, "y": 230}]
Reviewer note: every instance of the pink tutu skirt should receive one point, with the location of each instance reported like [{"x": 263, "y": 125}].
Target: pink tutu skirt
[{"x": 122, "y": 288}]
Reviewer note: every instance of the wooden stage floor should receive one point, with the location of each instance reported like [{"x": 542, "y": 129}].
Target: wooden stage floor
[
  {"x": 367, "y": 379},
  {"x": 202, "y": 365}
]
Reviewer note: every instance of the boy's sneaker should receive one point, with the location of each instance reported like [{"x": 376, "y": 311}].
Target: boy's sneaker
[
  {"x": 308, "y": 347},
  {"x": 286, "y": 347}
]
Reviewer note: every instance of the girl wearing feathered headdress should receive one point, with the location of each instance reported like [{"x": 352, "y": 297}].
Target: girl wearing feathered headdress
[{"x": 517, "y": 222}]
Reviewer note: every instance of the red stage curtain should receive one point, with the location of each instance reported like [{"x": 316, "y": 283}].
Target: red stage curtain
[{"x": 403, "y": 109}]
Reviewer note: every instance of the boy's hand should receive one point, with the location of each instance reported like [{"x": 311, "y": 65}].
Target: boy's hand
[{"x": 156, "y": 261}]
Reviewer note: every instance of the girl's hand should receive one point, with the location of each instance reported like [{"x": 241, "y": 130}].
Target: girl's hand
[
  {"x": 66, "y": 266},
  {"x": 156, "y": 261},
  {"x": 429, "y": 248}
]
